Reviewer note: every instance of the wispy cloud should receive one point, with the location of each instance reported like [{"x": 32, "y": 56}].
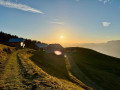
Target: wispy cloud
[
  {"x": 19, "y": 6},
  {"x": 59, "y": 23},
  {"x": 104, "y": 1},
  {"x": 106, "y": 24}
]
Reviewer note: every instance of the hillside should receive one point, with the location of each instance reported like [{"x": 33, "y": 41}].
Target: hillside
[
  {"x": 5, "y": 51},
  {"x": 25, "y": 69},
  {"x": 79, "y": 69},
  {"x": 101, "y": 69}
]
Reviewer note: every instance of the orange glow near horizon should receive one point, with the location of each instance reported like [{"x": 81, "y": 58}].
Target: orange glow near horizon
[{"x": 65, "y": 36}]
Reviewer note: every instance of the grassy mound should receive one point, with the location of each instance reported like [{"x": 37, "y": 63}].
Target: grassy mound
[{"x": 101, "y": 69}]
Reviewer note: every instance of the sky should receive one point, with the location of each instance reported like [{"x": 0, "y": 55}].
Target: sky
[{"x": 79, "y": 21}]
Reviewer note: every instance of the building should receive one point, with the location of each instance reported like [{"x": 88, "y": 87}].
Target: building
[
  {"x": 55, "y": 49},
  {"x": 41, "y": 46},
  {"x": 17, "y": 42}
]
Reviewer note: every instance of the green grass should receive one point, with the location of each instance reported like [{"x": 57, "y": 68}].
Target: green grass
[
  {"x": 101, "y": 69},
  {"x": 12, "y": 78},
  {"x": 31, "y": 69},
  {"x": 52, "y": 64},
  {"x": 73, "y": 77},
  {"x": 55, "y": 66},
  {"x": 40, "y": 70},
  {"x": 4, "y": 52}
]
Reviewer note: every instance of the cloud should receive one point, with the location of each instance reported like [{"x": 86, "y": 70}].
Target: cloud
[
  {"x": 58, "y": 23},
  {"x": 22, "y": 7},
  {"x": 104, "y": 1},
  {"x": 106, "y": 24}
]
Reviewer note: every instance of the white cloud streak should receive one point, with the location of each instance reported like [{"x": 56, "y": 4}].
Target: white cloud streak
[
  {"x": 106, "y": 24},
  {"x": 22, "y": 7},
  {"x": 104, "y": 1}
]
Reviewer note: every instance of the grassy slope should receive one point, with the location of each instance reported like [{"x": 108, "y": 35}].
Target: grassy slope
[
  {"x": 77, "y": 77},
  {"x": 47, "y": 66},
  {"x": 4, "y": 51},
  {"x": 20, "y": 71},
  {"x": 52, "y": 64},
  {"x": 102, "y": 69},
  {"x": 12, "y": 78}
]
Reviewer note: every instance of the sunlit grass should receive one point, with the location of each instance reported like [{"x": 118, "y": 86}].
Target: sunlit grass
[
  {"x": 44, "y": 77},
  {"x": 11, "y": 76}
]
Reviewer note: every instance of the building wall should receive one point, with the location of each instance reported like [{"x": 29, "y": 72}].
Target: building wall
[{"x": 17, "y": 44}]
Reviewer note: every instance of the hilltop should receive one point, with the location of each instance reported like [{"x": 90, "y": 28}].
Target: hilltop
[
  {"x": 98, "y": 68},
  {"x": 110, "y": 47}
]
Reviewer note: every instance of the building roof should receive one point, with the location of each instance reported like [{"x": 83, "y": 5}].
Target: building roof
[
  {"x": 54, "y": 47},
  {"x": 16, "y": 40},
  {"x": 41, "y": 45}
]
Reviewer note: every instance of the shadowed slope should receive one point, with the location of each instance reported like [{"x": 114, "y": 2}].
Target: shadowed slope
[
  {"x": 52, "y": 64},
  {"x": 101, "y": 69}
]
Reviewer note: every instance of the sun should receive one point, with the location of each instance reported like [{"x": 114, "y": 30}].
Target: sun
[{"x": 61, "y": 36}]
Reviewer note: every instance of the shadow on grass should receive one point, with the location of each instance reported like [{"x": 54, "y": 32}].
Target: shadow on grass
[
  {"x": 51, "y": 64},
  {"x": 102, "y": 69}
]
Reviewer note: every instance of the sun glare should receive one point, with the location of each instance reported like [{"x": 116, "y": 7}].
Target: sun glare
[
  {"x": 61, "y": 37},
  {"x": 58, "y": 52}
]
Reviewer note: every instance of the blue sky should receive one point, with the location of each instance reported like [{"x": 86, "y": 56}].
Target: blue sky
[{"x": 79, "y": 21}]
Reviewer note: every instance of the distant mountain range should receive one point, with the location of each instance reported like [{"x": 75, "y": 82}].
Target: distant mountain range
[{"x": 111, "y": 48}]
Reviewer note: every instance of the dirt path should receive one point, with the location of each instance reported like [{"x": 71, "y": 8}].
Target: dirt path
[
  {"x": 20, "y": 73},
  {"x": 12, "y": 77},
  {"x": 16, "y": 76},
  {"x": 80, "y": 75}
]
